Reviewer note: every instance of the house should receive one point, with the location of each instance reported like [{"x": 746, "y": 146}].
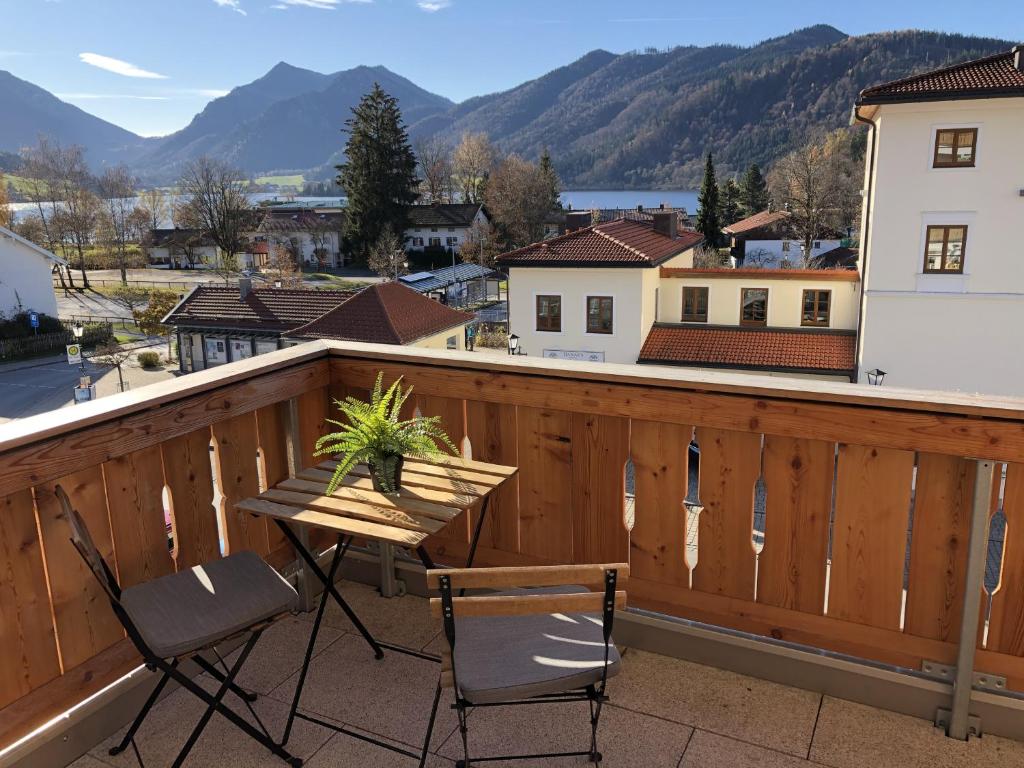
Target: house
[
  {"x": 26, "y": 282},
  {"x": 312, "y": 234},
  {"x": 943, "y": 302},
  {"x": 389, "y": 313},
  {"x": 180, "y": 248},
  {"x": 766, "y": 240},
  {"x": 442, "y": 225},
  {"x": 458, "y": 285},
  {"x": 562, "y": 221},
  {"x": 592, "y": 294}
]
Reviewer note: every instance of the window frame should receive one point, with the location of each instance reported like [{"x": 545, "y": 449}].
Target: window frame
[
  {"x": 586, "y": 314},
  {"x": 694, "y": 318},
  {"x": 743, "y": 303},
  {"x": 942, "y": 270},
  {"x": 828, "y": 308},
  {"x": 536, "y": 312},
  {"x": 954, "y": 163}
]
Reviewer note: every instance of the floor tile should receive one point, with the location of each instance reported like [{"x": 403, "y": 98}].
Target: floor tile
[
  {"x": 88, "y": 761},
  {"x": 745, "y": 708},
  {"x": 402, "y": 620},
  {"x": 343, "y": 751},
  {"x": 709, "y": 750},
  {"x": 850, "y": 734}
]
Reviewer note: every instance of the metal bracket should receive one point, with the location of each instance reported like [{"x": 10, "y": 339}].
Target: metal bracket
[
  {"x": 981, "y": 681},
  {"x": 944, "y": 716}
]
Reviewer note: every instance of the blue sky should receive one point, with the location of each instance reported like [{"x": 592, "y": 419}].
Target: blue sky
[{"x": 150, "y": 65}]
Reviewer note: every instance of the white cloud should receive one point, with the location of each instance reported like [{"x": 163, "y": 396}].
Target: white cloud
[
  {"x": 118, "y": 67},
  {"x": 321, "y": 5},
  {"x": 433, "y": 6},
  {"x": 234, "y": 5},
  {"x": 81, "y": 96}
]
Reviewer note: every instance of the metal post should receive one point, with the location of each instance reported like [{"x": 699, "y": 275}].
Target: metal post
[
  {"x": 959, "y": 719},
  {"x": 388, "y": 579},
  {"x": 306, "y": 585}
]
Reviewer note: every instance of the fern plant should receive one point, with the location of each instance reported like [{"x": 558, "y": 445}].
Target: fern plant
[{"x": 374, "y": 434}]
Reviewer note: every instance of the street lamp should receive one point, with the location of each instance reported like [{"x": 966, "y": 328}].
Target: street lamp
[
  {"x": 79, "y": 330},
  {"x": 513, "y": 343},
  {"x": 876, "y": 376}
]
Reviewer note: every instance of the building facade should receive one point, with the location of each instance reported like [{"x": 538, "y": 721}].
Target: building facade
[
  {"x": 766, "y": 241},
  {"x": 442, "y": 226},
  {"x": 26, "y": 276}
]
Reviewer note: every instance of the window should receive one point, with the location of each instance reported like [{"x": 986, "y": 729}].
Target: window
[
  {"x": 435, "y": 242},
  {"x": 817, "y": 244},
  {"x": 451, "y": 229},
  {"x": 944, "y": 249},
  {"x": 695, "y": 305},
  {"x": 433, "y": 229},
  {"x": 785, "y": 246},
  {"x": 417, "y": 242},
  {"x": 452, "y": 342},
  {"x": 955, "y": 148},
  {"x": 754, "y": 306},
  {"x": 549, "y": 313},
  {"x": 450, "y": 241},
  {"x": 815, "y": 308},
  {"x": 599, "y": 314}
]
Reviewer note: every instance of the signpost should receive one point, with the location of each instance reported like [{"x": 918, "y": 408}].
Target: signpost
[
  {"x": 33, "y": 320},
  {"x": 74, "y": 354}
]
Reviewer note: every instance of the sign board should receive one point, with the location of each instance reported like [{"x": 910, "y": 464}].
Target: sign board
[
  {"x": 74, "y": 354},
  {"x": 33, "y": 319},
  {"x": 85, "y": 394},
  {"x": 578, "y": 355}
]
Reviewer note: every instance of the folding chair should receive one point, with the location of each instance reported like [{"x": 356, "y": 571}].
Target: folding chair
[
  {"x": 177, "y": 617},
  {"x": 548, "y": 644}
]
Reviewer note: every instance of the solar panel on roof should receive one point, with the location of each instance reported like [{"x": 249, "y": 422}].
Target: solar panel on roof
[{"x": 415, "y": 277}]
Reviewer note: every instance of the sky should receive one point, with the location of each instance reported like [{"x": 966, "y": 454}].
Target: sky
[{"x": 151, "y": 65}]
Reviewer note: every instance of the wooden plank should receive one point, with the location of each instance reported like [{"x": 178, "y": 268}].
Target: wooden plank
[
  {"x": 413, "y": 479},
  {"x": 445, "y": 498},
  {"x": 371, "y": 512},
  {"x": 943, "y": 500},
  {"x": 485, "y": 480},
  {"x": 658, "y": 539},
  {"x": 1006, "y": 626},
  {"x": 869, "y": 536},
  {"x": 406, "y": 503},
  {"x": 235, "y": 442},
  {"x": 600, "y": 448},
  {"x": 798, "y": 477},
  {"x": 730, "y": 463},
  {"x": 514, "y": 605},
  {"x": 491, "y": 429},
  {"x": 189, "y": 476},
  {"x": 147, "y": 422},
  {"x": 528, "y": 576},
  {"x": 452, "y": 413},
  {"x": 135, "y": 485},
  {"x": 330, "y": 522},
  {"x": 545, "y": 488},
  {"x": 313, "y": 413},
  {"x": 27, "y": 643},
  {"x": 270, "y": 425},
  {"x": 84, "y": 621},
  {"x": 484, "y": 467}
]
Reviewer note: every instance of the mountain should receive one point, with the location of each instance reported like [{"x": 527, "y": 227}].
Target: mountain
[{"x": 29, "y": 111}]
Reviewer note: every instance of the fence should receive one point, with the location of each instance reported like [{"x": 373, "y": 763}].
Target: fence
[
  {"x": 112, "y": 320},
  {"x": 52, "y": 343},
  {"x": 102, "y": 282}
]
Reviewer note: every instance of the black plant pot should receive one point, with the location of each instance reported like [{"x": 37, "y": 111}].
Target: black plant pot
[{"x": 377, "y": 471}]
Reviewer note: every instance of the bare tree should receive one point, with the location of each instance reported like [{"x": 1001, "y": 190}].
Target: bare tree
[
  {"x": 189, "y": 237},
  {"x": 6, "y": 220},
  {"x": 472, "y": 163},
  {"x": 115, "y": 356},
  {"x": 282, "y": 267},
  {"x": 216, "y": 195},
  {"x": 518, "y": 197},
  {"x": 387, "y": 258},
  {"x": 708, "y": 257},
  {"x": 75, "y": 220},
  {"x": 117, "y": 188},
  {"x": 157, "y": 206},
  {"x": 480, "y": 245},
  {"x": 434, "y": 161},
  {"x": 321, "y": 236}
]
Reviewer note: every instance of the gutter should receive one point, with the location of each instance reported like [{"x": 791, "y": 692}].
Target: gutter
[{"x": 864, "y": 249}]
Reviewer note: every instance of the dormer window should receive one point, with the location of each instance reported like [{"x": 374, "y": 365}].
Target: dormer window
[{"x": 955, "y": 148}]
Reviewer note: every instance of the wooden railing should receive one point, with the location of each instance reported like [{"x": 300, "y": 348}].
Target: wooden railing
[{"x": 837, "y": 471}]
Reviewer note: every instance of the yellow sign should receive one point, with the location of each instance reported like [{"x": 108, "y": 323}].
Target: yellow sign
[{"x": 74, "y": 354}]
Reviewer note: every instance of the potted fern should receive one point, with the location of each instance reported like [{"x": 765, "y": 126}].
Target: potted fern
[{"x": 374, "y": 434}]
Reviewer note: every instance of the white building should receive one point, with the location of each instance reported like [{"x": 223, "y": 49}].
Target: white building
[
  {"x": 26, "y": 276},
  {"x": 766, "y": 241},
  {"x": 313, "y": 234},
  {"x": 443, "y": 226},
  {"x": 943, "y": 304}
]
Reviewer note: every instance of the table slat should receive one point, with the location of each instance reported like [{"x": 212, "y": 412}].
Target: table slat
[
  {"x": 345, "y": 508},
  {"x": 408, "y": 490},
  {"x": 414, "y": 479},
  {"x": 347, "y": 525},
  {"x": 410, "y": 505}
]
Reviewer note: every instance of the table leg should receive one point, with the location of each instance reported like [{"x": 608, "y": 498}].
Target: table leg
[
  {"x": 388, "y": 582},
  {"x": 476, "y": 532}
]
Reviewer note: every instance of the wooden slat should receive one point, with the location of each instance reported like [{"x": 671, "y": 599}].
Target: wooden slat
[
  {"x": 270, "y": 425},
  {"x": 235, "y": 442},
  {"x": 334, "y": 523},
  {"x": 943, "y": 500},
  {"x": 135, "y": 485},
  {"x": 491, "y": 429},
  {"x": 527, "y": 576},
  {"x": 485, "y": 467},
  {"x": 869, "y": 536},
  {"x": 84, "y": 621},
  {"x": 1006, "y": 627},
  {"x": 452, "y": 413},
  {"x": 313, "y": 412},
  {"x": 414, "y": 479},
  {"x": 189, "y": 476},
  {"x": 600, "y": 448},
  {"x": 658, "y": 539},
  {"x": 484, "y": 480},
  {"x": 798, "y": 477},
  {"x": 730, "y": 463},
  {"x": 445, "y": 498},
  {"x": 513, "y": 605},
  {"x": 28, "y": 649},
  {"x": 407, "y": 504},
  {"x": 545, "y": 488},
  {"x": 345, "y": 508}
]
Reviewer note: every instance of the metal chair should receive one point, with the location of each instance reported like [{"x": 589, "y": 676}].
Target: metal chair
[
  {"x": 177, "y": 617},
  {"x": 548, "y": 644}
]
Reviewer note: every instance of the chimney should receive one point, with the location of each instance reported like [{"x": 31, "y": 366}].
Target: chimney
[
  {"x": 666, "y": 223},
  {"x": 577, "y": 220},
  {"x": 639, "y": 209},
  {"x": 244, "y": 286},
  {"x": 1018, "y": 57}
]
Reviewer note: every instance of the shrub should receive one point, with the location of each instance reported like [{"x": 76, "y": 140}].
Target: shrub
[{"x": 149, "y": 359}]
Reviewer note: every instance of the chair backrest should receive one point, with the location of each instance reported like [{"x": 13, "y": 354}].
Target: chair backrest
[{"x": 86, "y": 547}]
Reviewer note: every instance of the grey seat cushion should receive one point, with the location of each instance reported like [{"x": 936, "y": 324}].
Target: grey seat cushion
[
  {"x": 191, "y": 609},
  {"x": 501, "y": 658}
]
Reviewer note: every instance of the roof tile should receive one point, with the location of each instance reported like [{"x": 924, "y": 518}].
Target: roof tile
[
  {"x": 272, "y": 309},
  {"x": 982, "y": 78}
]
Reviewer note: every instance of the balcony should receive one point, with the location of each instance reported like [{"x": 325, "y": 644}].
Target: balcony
[{"x": 815, "y": 600}]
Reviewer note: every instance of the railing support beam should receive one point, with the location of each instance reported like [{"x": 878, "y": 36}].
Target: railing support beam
[
  {"x": 305, "y": 585},
  {"x": 959, "y": 717}
]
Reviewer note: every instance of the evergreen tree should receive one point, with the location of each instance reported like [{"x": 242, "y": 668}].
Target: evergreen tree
[
  {"x": 708, "y": 223},
  {"x": 729, "y": 210},
  {"x": 551, "y": 181},
  {"x": 379, "y": 175},
  {"x": 754, "y": 196}
]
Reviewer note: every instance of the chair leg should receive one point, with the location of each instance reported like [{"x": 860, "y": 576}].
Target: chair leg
[
  {"x": 430, "y": 725},
  {"x": 595, "y": 718},
  {"x": 134, "y": 727},
  {"x": 217, "y": 675},
  {"x": 464, "y": 731}
]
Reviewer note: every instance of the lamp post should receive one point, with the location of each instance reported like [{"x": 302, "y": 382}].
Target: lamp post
[
  {"x": 79, "y": 330},
  {"x": 876, "y": 376},
  {"x": 513, "y": 343}
]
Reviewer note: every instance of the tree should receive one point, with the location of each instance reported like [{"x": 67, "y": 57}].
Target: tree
[
  {"x": 188, "y": 235},
  {"x": 159, "y": 302},
  {"x": 117, "y": 188},
  {"x": 387, "y": 258},
  {"x": 115, "y": 356},
  {"x": 282, "y": 267},
  {"x": 551, "y": 180},
  {"x": 379, "y": 175},
  {"x": 434, "y": 155},
  {"x": 218, "y": 206},
  {"x": 480, "y": 245},
  {"x": 708, "y": 223},
  {"x": 472, "y": 164},
  {"x": 129, "y": 297},
  {"x": 157, "y": 207},
  {"x": 518, "y": 197},
  {"x": 75, "y": 221},
  {"x": 321, "y": 236},
  {"x": 754, "y": 196},
  {"x": 6, "y": 220},
  {"x": 31, "y": 228},
  {"x": 729, "y": 208}
]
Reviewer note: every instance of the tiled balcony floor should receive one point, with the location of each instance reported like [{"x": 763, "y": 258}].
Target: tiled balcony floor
[{"x": 665, "y": 713}]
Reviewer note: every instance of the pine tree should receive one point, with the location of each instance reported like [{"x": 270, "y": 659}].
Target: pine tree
[
  {"x": 551, "y": 180},
  {"x": 379, "y": 175},
  {"x": 753, "y": 191},
  {"x": 708, "y": 223},
  {"x": 729, "y": 210}
]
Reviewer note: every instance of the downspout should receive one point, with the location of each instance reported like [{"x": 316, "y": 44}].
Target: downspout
[{"x": 868, "y": 196}]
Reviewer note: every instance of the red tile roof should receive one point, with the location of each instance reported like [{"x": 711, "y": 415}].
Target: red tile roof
[
  {"x": 620, "y": 243},
  {"x": 793, "y": 350},
  {"x": 993, "y": 76},
  {"x": 385, "y": 313},
  {"x": 271, "y": 309},
  {"x": 757, "y": 221}
]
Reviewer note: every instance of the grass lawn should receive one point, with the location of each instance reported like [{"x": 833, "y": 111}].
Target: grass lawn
[
  {"x": 295, "y": 180},
  {"x": 334, "y": 282},
  {"x": 21, "y": 185}
]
